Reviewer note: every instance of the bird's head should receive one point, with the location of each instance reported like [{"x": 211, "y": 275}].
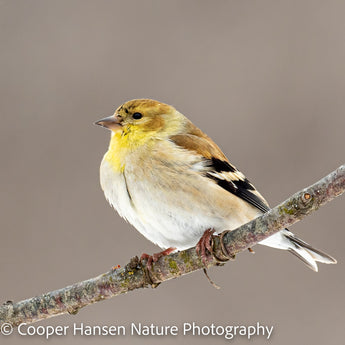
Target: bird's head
[{"x": 140, "y": 119}]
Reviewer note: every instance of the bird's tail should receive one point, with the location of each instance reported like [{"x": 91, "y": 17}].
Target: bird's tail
[{"x": 287, "y": 240}]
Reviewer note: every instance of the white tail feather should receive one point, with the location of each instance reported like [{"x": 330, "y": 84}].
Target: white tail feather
[{"x": 286, "y": 240}]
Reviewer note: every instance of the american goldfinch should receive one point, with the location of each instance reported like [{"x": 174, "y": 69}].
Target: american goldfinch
[{"x": 172, "y": 182}]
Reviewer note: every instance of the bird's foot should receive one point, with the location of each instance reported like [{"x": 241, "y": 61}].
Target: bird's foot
[
  {"x": 204, "y": 246},
  {"x": 155, "y": 257}
]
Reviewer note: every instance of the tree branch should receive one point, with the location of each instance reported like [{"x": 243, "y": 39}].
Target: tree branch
[{"x": 135, "y": 274}]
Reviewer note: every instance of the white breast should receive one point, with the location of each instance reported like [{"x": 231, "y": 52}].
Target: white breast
[{"x": 115, "y": 190}]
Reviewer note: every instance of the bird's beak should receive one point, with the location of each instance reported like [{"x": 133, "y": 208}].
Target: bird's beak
[{"x": 111, "y": 122}]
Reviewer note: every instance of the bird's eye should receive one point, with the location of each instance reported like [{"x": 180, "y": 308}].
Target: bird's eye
[{"x": 137, "y": 116}]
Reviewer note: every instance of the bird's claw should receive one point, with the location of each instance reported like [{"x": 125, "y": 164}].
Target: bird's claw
[
  {"x": 204, "y": 246},
  {"x": 155, "y": 257}
]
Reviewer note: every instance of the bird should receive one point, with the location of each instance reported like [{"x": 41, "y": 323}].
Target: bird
[{"x": 172, "y": 182}]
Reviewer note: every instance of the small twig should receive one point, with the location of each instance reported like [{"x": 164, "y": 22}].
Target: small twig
[
  {"x": 210, "y": 280},
  {"x": 134, "y": 275}
]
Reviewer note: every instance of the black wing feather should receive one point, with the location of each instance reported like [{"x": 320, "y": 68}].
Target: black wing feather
[{"x": 241, "y": 188}]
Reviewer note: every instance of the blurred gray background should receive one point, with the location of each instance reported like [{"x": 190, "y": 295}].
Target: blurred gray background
[{"x": 265, "y": 79}]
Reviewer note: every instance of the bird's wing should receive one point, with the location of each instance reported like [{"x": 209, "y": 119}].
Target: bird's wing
[
  {"x": 229, "y": 178},
  {"x": 217, "y": 167}
]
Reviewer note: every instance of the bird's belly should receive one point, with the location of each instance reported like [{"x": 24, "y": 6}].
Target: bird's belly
[{"x": 178, "y": 224}]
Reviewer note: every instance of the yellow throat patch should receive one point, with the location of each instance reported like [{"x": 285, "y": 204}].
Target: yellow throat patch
[{"x": 123, "y": 143}]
